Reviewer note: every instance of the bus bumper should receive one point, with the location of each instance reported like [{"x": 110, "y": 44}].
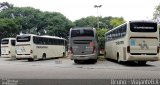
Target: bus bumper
[
  {"x": 24, "y": 56},
  {"x": 8, "y": 56},
  {"x": 5, "y": 56},
  {"x": 143, "y": 58},
  {"x": 83, "y": 57}
]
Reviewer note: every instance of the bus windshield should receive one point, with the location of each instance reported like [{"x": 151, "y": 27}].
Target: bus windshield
[
  {"x": 82, "y": 32},
  {"x": 143, "y": 27},
  {"x": 6, "y": 41},
  {"x": 23, "y": 38}
]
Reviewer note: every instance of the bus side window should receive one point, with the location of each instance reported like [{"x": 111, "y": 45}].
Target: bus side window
[
  {"x": 61, "y": 42},
  {"x": 13, "y": 42},
  {"x": 124, "y": 30},
  {"x": 52, "y": 41},
  {"x": 121, "y": 31},
  {"x": 49, "y": 41},
  {"x": 43, "y": 41}
]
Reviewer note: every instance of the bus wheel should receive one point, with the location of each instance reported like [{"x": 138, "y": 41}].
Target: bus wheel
[
  {"x": 18, "y": 58},
  {"x": 77, "y": 61},
  {"x": 142, "y": 62},
  {"x": 104, "y": 54},
  {"x": 118, "y": 60},
  {"x": 63, "y": 54},
  {"x": 30, "y": 59},
  {"x": 94, "y": 61},
  {"x": 44, "y": 56}
]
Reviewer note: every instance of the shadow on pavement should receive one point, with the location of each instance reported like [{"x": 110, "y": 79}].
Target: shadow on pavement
[
  {"x": 131, "y": 63},
  {"x": 9, "y": 59}
]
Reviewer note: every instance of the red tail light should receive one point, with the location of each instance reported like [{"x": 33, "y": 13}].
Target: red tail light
[
  {"x": 94, "y": 49},
  {"x": 158, "y": 49},
  {"x": 71, "y": 50},
  {"x": 128, "y": 49},
  {"x": 91, "y": 44},
  {"x": 31, "y": 51}
]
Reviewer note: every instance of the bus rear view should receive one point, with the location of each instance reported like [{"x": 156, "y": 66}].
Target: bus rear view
[
  {"x": 144, "y": 38},
  {"x": 8, "y": 48},
  {"x": 133, "y": 41},
  {"x": 83, "y": 44},
  {"x": 23, "y": 47}
]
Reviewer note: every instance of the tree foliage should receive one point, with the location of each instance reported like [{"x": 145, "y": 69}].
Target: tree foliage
[
  {"x": 156, "y": 14},
  {"x": 101, "y": 37},
  {"x": 31, "y": 20},
  {"x": 5, "y": 5},
  {"x": 9, "y": 27},
  {"x": 116, "y": 21},
  {"x": 55, "y": 24},
  {"x": 90, "y": 21},
  {"x": 106, "y": 22}
]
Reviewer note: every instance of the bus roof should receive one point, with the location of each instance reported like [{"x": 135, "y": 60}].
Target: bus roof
[
  {"x": 27, "y": 35},
  {"x": 151, "y": 21},
  {"x": 56, "y": 37},
  {"x": 8, "y": 38},
  {"x": 82, "y": 28}
]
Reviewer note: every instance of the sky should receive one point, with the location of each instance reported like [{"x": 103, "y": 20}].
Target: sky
[{"x": 76, "y": 9}]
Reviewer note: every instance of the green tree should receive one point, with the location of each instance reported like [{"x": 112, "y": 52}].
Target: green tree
[
  {"x": 9, "y": 27},
  {"x": 90, "y": 21},
  {"x": 26, "y": 16},
  {"x": 156, "y": 14},
  {"x": 106, "y": 22},
  {"x": 116, "y": 21},
  {"x": 34, "y": 21},
  {"x": 5, "y": 5},
  {"x": 101, "y": 37},
  {"x": 55, "y": 24}
]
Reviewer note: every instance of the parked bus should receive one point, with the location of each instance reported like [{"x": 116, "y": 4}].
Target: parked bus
[
  {"x": 83, "y": 44},
  {"x": 133, "y": 41},
  {"x": 8, "y": 48},
  {"x": 33, "y": 47}
]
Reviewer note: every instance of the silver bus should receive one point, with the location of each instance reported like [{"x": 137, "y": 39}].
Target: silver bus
[{"x": 83, "y": 44}]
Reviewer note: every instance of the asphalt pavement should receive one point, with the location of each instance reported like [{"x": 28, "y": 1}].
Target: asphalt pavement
[{"x": 64, "y": 68}]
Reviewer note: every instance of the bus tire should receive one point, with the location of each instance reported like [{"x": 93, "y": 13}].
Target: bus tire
[
  {"x": 104, "y": 54},
  {"x": 18, "y": 59},
  {"x": 142, "y": 62},
  {"x": 77, "y": 61},
  {"x": 94, "y": 61},
  {"x": 44, "y": 56},
  {"x": 118, "y": 60},
  {"x": 63, "y": 54},
  {"x": 30, "y": 59}
]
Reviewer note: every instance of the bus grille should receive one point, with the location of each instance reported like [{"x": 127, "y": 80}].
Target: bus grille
[
  {"x": 82, "y": 41},
  {"x": 143, "y": 53},
  {"x": 23, "y": 54}
]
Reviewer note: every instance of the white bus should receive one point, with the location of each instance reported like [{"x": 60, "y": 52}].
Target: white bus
[
  {"x": 33, "y": 47},
  {"x": 133, "y": 41},
  {"x": 8, "y": 47},
  {"x": 83, "y": 44}
]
